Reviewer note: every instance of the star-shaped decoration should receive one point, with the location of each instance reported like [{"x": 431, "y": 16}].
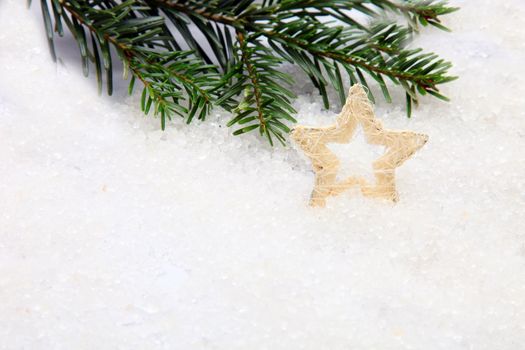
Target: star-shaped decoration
[{"x": 357, "y": 111}]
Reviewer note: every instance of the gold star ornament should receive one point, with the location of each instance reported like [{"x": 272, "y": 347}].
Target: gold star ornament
[{"x": 357, "y": 111}]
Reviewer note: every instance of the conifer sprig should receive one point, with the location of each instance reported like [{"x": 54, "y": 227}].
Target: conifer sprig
[
  {"x": 237, "y": 66},
  {"x": 175, "y": 82},
  {"x": 266, "y": 102}
]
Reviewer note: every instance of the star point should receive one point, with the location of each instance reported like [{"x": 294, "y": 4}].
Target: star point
[{"x": 357, "y": 112}]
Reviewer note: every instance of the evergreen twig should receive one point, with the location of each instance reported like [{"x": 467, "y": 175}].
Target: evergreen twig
[{"x": 156, "y": 41}]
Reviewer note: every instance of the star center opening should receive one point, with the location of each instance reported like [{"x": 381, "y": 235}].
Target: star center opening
[{"x": 356, "y": 157}]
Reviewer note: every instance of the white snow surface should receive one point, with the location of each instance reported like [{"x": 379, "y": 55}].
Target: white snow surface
[{"x": 116, "y": 235}]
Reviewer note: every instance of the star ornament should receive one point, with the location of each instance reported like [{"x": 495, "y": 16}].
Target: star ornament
[{"x": 357, "y": 111}]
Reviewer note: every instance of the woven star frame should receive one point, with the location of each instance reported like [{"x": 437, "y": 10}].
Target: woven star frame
[{"x": 357, "y": 112}]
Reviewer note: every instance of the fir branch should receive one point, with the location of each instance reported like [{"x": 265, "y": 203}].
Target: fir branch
[
  {"x": 188, "y": 82},
  {"x": 310, "y": 44},
  {"x": 266, "y": 101},
  {"x": 293, "y": 25},
  {"x": 169, "y": 77}
]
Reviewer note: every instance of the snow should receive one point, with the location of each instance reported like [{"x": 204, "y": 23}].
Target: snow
[{"x": 115, "y": 235}]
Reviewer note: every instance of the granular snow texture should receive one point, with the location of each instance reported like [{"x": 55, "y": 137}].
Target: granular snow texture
[{"x": 116, "y": 235}]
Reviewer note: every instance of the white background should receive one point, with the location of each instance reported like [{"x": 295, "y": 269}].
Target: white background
[{"x": 115, "y": 235}]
